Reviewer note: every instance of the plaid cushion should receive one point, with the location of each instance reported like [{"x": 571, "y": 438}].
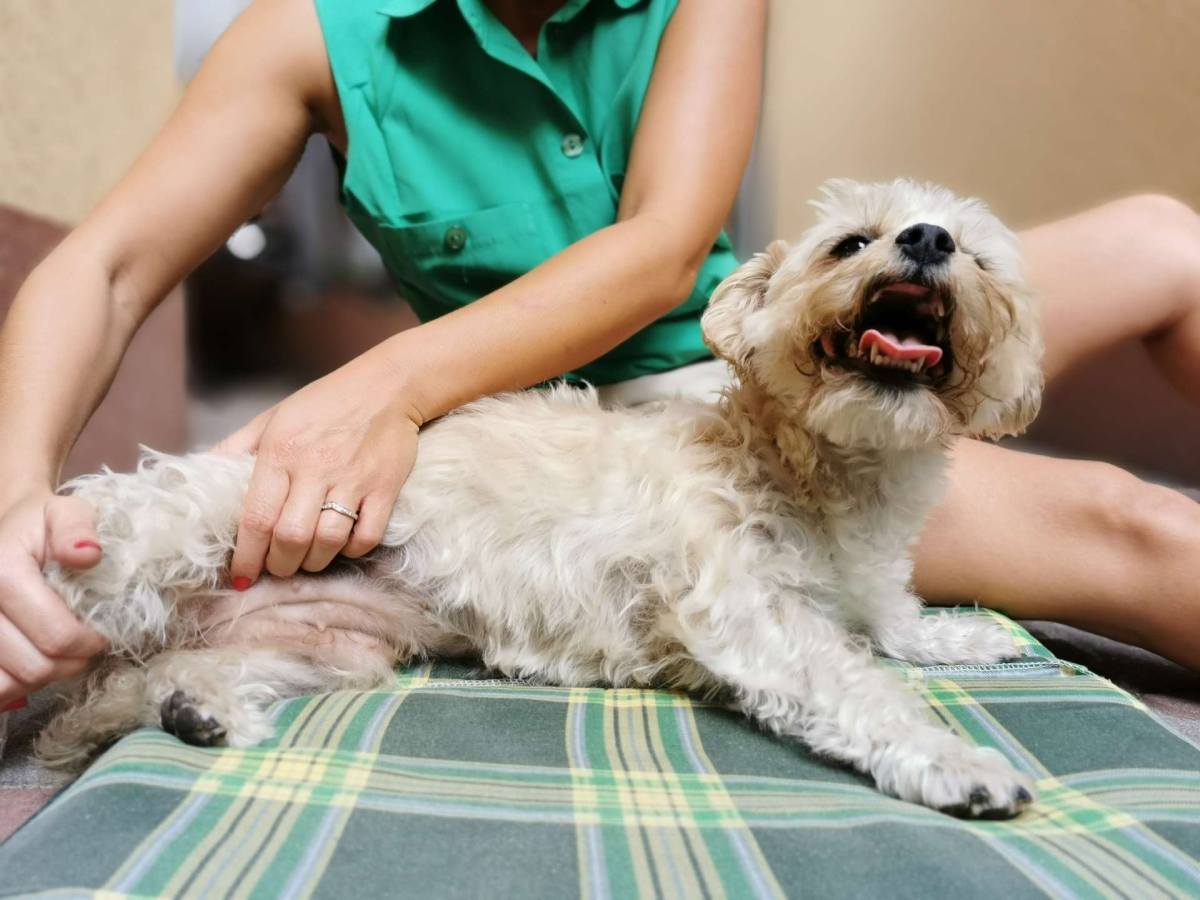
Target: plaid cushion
[{"x": 451, "y": 786}]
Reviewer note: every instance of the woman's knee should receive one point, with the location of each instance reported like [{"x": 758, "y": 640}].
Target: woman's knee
[
  {"x": 1163, "y": 233},
  {"x": 1148, "y": 527}
]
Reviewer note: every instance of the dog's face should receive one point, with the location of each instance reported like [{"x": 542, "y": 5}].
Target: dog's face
[{"x": 900, "y": 317}]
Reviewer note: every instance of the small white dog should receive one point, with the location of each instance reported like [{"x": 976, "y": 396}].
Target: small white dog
[{"x": 757, "y": 546}]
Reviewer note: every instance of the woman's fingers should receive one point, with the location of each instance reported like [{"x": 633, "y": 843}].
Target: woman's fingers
[
  {"x": 23, "y": 662},
  {"x": 24, "y": 667},
  {"x": 71, "y": 533},
  {"x": 40, "y": 639},
  {"x": 296, "y": 527},
  {"x": 373, "y": 518},
  {"x": 333, "y": 530},
  {"x": 11, "y": 689},
  {"x": 265, "y": 497},
  {"x": 30, "y": 606}
]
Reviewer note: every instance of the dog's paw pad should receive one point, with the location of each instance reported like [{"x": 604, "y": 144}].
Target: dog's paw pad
[{"x": 181, "y": 718}]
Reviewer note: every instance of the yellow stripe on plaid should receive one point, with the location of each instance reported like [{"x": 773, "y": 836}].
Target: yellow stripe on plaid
[
  {"x": 254, "y": 817},
  {"x": 328, "y": 730}
]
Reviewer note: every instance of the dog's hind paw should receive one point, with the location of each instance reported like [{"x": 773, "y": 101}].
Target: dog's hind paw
[
  {"x": 182, "y": 717},
  {"x": 947, "y": 639}
]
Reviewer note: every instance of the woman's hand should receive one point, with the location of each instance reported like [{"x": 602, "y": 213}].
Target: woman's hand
[
  {"x": 348, "y": 438},
  {"x": 40, "y": 640}
]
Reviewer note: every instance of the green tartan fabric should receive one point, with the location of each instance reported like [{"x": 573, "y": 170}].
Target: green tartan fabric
[{"x": 450, "y": 786}]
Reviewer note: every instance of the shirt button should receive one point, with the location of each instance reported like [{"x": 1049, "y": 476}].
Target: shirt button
[
  {"x": 572, "y": 146},
  {"x": 456, "y": 238}
]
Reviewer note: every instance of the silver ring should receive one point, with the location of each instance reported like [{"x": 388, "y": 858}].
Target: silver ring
[{"x": 338, "y": 508}]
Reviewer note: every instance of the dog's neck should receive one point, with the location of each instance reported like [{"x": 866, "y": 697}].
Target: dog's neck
[{"x": 817, "y": 474}]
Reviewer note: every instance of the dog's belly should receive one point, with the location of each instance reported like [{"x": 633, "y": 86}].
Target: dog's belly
[{"x": 331, "y": 619}]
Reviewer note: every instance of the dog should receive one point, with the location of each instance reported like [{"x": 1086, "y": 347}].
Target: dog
[{"x": 756, "y": 547}]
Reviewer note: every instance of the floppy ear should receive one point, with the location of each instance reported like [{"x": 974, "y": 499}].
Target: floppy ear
[
  {"x": 742, "y": 293},
  {"x": 1012, "y": 379}
]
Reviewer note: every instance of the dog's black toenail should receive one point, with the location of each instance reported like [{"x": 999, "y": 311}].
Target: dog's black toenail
[
  {"x": 1023, "y": 796},
  {"x": 980, "y": 796},
  {"x": 180, "y": 718}
]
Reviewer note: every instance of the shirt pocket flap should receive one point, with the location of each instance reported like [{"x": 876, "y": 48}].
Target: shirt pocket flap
[
  {"x": 446, "y": 262},
  {"x": 462, "y": 235}
]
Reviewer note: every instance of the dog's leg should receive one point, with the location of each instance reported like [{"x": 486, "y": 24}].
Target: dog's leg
[
  {"x": 282, "y": 638},
  {"x": 876, "y": 598},
  {"x": 941, "y": 639},
  {"x": 221, "y": 697},
  {"x": 107, "y": 705},
  {"x": 799, "y": 674},
  {"x": 166, "y": 532},
  {"x": 892, "y": 616}
]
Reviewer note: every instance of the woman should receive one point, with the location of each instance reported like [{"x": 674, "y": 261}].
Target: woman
[{"x": 593, "y": 148}]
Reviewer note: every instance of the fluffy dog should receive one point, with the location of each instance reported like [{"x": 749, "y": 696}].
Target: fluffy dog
[{"x": 757, "y": 547}]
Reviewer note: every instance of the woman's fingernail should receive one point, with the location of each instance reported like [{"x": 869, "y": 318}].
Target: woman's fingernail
[
  {"x": 79, "y": 545},
  {"x": 15, "y": 705},
  {"x": 241, "y": 583}
]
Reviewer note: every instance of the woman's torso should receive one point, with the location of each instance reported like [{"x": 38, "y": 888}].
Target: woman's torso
[{"x": 467, "y": 162}]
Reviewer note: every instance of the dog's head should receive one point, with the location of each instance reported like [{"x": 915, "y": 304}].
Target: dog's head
[{"x": 900, "y": 317}]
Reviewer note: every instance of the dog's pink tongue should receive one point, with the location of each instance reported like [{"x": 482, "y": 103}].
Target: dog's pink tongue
[{"x": 908, "y": 349}]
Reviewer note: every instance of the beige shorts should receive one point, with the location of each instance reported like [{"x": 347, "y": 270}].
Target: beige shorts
[{"x": 699, "y": 381}]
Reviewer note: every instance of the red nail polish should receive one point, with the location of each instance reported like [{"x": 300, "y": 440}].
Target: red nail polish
[
  {"x": 241, "y": 583},
  {"x": 16, "y": 704},
  {"x": 79, "y": 545}
]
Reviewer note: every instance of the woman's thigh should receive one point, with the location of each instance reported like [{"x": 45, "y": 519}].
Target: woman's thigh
[
  {"x": 1128, "y": 269},
  {"x": 1079, "y": 542}
]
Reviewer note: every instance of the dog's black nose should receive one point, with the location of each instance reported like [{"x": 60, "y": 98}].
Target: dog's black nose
[{"x": 925, "y": 244}]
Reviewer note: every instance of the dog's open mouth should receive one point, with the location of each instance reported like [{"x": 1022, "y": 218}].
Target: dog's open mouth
[{"x": 901, "y": 337}]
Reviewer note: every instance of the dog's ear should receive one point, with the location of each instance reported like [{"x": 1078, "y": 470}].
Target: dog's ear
[
  {"x": 742, "y": 293},
  {"x": 1011, "y": 381}
]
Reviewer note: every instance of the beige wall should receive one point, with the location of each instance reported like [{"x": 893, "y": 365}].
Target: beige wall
[
  {"x": 1040, "y": 106},
  {"x": 84, "y": 84}
]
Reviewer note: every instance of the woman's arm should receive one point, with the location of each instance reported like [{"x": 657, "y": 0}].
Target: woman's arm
[
  {"x": 230, "y": 145},
  {"x": 349, "y": 436},
  {"x": 689, "y": 154}
]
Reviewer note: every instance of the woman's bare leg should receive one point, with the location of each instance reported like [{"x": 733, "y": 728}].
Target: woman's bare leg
[{"x": 1083, "y": 542}]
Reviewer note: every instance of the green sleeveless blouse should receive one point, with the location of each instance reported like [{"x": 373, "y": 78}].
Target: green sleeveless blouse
[{"x": 469, "y": 162}]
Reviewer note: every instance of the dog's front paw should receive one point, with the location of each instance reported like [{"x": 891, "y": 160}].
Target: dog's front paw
[
  {"x": 964, "y": 781},
  {"x": 948, "y": 639}
]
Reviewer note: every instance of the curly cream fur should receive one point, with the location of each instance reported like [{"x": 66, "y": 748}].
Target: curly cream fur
[{"x": 758, "y": 545}]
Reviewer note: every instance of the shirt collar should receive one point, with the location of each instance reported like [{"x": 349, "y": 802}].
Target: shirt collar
[{"x": 402, "y": 9}]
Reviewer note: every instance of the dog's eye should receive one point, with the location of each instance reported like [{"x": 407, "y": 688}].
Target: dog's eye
[
  {"x": 981, "y": 262},
  {"x": 849, "y": 246}
]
